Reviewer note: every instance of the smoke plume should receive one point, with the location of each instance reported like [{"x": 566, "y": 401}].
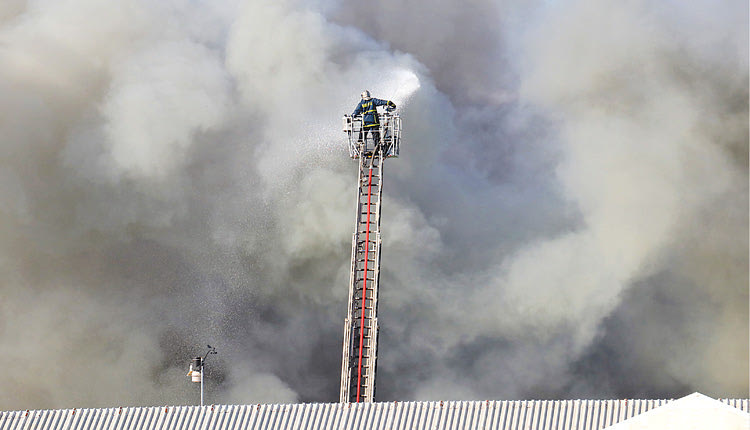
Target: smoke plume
[{"x": 568, "y": 217}]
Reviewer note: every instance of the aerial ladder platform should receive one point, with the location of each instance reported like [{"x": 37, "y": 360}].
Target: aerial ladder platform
[{"x": 359, "y": 357}]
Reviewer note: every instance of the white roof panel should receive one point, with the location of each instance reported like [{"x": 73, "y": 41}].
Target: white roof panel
[{"x": 498, "y": 415}]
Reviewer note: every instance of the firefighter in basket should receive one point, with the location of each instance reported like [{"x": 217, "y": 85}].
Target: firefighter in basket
[{"x": 368, "y": 107}]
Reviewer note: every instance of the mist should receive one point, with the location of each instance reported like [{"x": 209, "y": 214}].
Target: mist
[{"x": 568, "y": 217}]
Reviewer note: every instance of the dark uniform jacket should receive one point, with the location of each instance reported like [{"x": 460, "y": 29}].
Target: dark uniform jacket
[{"x": 369, "y": 111}]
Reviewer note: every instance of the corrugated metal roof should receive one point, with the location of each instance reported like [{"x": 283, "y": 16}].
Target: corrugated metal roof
[{"x": 495, "y": 415}]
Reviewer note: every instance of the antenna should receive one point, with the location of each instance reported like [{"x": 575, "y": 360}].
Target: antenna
[{"x": 196, "y": 368}]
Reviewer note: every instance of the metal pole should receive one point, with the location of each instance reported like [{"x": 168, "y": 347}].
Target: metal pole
[{"x": 201, "y": 382}]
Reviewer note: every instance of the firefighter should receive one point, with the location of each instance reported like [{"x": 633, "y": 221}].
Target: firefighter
[{"x": 368, "y": 107}]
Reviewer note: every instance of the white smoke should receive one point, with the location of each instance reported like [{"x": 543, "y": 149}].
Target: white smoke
[{"x": 568, "y": 216}]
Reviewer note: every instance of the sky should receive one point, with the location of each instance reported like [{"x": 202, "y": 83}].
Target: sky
[{"x": 568, "y": 217}]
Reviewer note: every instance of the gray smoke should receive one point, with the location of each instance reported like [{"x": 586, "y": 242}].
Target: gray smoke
[{"x": 569, "y": 216}]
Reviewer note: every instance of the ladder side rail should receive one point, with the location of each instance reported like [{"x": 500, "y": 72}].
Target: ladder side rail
[
  {"x": 347, "y": 346},
  {"x": 369, "y": 391},
  {"x": 352, "y": 274},
  {"x": 345, "y": 372},
  {"x": 379, "y": 198},
  {"x": 376, "y": 275},
  {"x": 374, "y": 328}
]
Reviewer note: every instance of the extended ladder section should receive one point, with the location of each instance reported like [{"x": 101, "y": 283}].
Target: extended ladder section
[{"x": 361, "y": 324}]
